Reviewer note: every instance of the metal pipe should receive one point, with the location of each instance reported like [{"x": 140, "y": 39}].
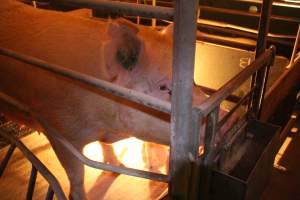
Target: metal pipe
[
  {"x": 295, "y": 47},
  {"x": 31, "y": 183},
  {"x": 37, "y": 164},
  {"x": 6, "y": 158},
  {"x": 259, "y": 79},
  {"x": 50, "y": 193},
  {"x": 214, "y": 100},
  {"x": 184, "y": 37},
  {"x": 125, "y": 8},
  {"x": 76, "y": 153},
  {"x": 248, "y": 14},
  {"x": 122, "y": 92}
]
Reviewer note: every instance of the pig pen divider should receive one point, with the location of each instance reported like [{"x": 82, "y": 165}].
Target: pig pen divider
[
  {"x": 183, "y": 179},
  {"x": 210, "y": 108}
]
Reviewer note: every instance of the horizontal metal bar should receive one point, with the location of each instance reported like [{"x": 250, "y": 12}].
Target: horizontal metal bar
[
  {"x": 36, "y": 163},
  {"x": 229, "y": 114},
  {"x": 122, "y": 92},
  {"x": 209, "y": 104},
  {"x": 76, "y": 153},
  {"x": 210, "y": 91},
  {"x": 126, "y": 8},
  {"x": 245, "y": 13}
]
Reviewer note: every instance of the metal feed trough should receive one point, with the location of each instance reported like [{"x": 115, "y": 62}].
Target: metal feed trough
[{"x": 186, "y": 121}]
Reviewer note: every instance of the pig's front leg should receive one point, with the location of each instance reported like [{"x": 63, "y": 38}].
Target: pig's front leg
[{"x": 73, "y": 167}]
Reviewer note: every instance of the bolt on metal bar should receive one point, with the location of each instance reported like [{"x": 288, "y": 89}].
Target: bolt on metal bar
[
  {"x": 126, "y": 8},
  {"x": 31, "y": 183},
  {"x": 122, "y": 92},
  {"x": 37, "y": 164},
  {"x": 209, "y": 104},
  {"x": 76, "y": 153},
  {"x": 6, "y": 158}
]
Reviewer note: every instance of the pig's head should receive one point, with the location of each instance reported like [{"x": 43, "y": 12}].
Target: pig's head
[{"x": 139, "y": 58}]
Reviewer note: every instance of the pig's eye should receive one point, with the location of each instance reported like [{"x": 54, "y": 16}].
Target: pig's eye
[{"x": 163, "y": 87}]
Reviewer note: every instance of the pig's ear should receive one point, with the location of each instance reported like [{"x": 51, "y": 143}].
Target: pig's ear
[
  {"x": 168, "y": 30},
  {"x": 123, "y": 50},
  {"x": 119, "y": 27}
]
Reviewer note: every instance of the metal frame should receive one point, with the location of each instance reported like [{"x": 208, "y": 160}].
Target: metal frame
[{"x": 185, "y": 164}]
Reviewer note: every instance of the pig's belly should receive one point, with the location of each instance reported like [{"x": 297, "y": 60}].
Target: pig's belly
[{"x": 75, "y": 110}]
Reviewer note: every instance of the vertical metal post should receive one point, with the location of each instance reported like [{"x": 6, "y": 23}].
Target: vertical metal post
[
  {"x": 260, "y": 77},
  {"x": 209, "y": 148},
  {"x": 153, "y": 19},
  {"x": 194, "y": 181},
  {"x": 181, "y": 118},
  {"x": 6, "y": 158}
]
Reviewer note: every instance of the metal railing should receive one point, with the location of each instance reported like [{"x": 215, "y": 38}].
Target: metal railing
[{"x": 185, "y": 120}]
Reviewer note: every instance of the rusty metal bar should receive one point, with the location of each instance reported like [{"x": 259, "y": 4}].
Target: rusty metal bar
[
  {"x": 122, "y": 92},
  {"x": 214, "y": 100},
  {"x": 184, "y": 38},
  {"x": 37, "y": 163},
  {"x": 8, "y": 155},
  {"x": 259, "y": 79},
  {"x": 31, "y": 183},
  {"x": 50, "y": 193},
  {"x": 76, "y": 153},
  {"x": 125, "y": 8}
]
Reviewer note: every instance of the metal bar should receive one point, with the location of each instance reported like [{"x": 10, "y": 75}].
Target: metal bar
[
  {"x": 259, "y": 78},
  {"x": 208, "y": 105},
  {"x": 76, "y": 153},
  {"x": 6, "y": 158},
  {"x": 295, "y": 47},
  {"x": 194, "y": 181},
  {"x": 245, "y": 13},
  {"x": 37, "y": 163},
  {"x": 210, "y": 91},
  {"x": 184, "y": 38},
  {"x": 50, "y": 193},
  {"x": 209, "y": 148},
  {"x": 229, "y": 114},
  {"x": 125, "y": 8},
  {"x": 31, "y": 183},
  {"x": 122, "y": 92}
]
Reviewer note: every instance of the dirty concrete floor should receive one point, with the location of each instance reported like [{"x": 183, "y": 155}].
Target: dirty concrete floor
[{"x": 285, "y": 182}]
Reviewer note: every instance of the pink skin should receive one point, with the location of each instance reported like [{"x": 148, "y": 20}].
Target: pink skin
[{"x": 79, "y": 113}]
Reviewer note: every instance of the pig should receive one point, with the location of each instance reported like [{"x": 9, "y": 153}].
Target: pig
[{"x": 118, "y": 51}]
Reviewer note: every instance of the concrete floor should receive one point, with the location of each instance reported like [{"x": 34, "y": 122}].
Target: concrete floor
[{"x": 285, "y": 182}]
